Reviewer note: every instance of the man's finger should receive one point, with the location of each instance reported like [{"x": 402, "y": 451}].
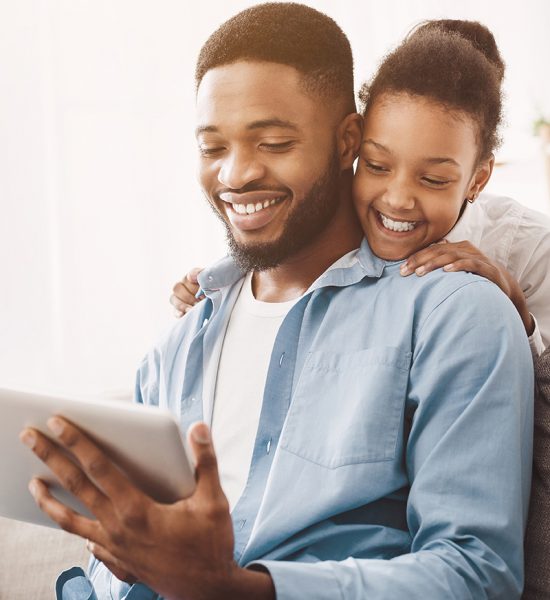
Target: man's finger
[
  {"x": 114, "y": 565},
  {"x": 69, "y": 475},
  {"x": 95, "y": 463},
  {"x": 206, "y": 465},
  {"x": 65, "y": 517}
]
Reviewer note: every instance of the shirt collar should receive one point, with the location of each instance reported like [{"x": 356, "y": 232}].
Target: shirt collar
[
  {"x": 347, "y": 270},
  {"x": 222, "y": 273}
]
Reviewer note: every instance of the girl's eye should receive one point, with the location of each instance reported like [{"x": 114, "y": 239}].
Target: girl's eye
[
  {"x": 436, "y": 182},
  {"x": 375, "y": 168},
  {"x": 279, "y": 147}
]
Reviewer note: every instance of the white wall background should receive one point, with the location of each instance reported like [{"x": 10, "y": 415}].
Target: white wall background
[{"x": 100, "y": 212}]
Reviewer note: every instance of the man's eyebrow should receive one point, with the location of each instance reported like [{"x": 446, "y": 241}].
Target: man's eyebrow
[
  {"x": 260, "y": 124},
  {"x": 274, "y": 122},
  {"x": 205, "y": 129}
]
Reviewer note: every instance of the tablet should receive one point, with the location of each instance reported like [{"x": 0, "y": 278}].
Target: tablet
[{"x": 145, "y": 442}]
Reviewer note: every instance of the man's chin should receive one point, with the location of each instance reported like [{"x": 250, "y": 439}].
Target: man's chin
[{"x": 257, "y": 256}]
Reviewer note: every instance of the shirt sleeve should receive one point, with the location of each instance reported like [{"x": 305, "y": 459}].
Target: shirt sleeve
[
  {"x": 535, "y": 340},
  {"x": 468, "y": 458},
  {"x": 74, "y": 584},
  {"x": 530, "y": 264}
]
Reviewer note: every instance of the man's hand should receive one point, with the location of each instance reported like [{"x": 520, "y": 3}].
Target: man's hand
[
  {"x": 464, "y": 256},
  {"x": 183, "y": 296},
  {"x": 181, "y": 550}
]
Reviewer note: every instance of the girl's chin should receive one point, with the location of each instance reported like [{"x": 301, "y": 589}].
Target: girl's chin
[{"x": 392, "y": 254}]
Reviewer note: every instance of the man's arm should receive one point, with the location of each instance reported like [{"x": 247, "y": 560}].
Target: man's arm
[{"x": 468, "y": 458}]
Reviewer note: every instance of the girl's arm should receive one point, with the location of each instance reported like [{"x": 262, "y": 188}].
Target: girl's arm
[{"x": 184, "y": 292}]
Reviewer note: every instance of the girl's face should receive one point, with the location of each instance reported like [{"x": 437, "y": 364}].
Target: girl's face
[{"x": 416, "y": 167}]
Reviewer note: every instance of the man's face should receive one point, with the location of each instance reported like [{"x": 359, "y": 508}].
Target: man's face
[{"x": 268, "y": 160}]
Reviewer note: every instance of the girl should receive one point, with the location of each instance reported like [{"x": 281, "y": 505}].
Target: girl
[{"x": 431, "y": 117}]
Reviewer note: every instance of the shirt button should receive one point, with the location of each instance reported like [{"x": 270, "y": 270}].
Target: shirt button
[
  {"x": 281, "y": 359},
  {"x": 241, "y": 524},
  {"x": 268, "y": 447},
  {"x": 193, "y": 400}
]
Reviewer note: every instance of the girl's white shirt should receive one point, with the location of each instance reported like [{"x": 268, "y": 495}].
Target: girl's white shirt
[{"x": 518, "y": 238}]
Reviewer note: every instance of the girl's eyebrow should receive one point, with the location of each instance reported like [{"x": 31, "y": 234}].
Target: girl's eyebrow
[
  {"x": 440, "y": 160},
  {"x": 436, "y": 160},
  {"x": 376, "y": 145}
]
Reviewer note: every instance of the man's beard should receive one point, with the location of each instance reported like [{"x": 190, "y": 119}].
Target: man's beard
[{"x": 302, "y": 226}]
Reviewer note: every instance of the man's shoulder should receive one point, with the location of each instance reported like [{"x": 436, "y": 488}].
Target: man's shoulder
[
  {"x": 216, "y": 280},
  {"x": 457, "y": 300},
  {"x": 439, "y": 286}
]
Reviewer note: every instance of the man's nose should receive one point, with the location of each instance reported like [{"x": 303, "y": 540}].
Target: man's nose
[{"x": 240, "y": 168}]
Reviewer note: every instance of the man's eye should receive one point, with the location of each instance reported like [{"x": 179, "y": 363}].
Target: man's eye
[
  {"x": 279, "y": 147},
  {"x": 210, "y": 151}
]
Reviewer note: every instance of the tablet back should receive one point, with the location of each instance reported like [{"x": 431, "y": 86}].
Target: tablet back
[{"x": 145, "y": 442}]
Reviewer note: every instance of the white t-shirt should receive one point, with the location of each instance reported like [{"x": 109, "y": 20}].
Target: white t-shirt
[
  {"x": 518, "y": 238},
  {"x": 242, "y": 373}
]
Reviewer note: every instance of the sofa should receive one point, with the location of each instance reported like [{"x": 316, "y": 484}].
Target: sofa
[{"x": 31, "y": 558}]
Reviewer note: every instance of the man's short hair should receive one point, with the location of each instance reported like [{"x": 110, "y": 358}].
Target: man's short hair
[{"x": 290, "y": 34}]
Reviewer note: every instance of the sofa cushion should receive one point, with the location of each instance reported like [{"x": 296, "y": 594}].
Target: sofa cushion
[
  {"x": 537, "y": 537},
  {"x": 32, "y": 557}
]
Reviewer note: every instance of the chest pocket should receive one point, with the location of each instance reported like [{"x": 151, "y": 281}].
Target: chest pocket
[{"x": 348, "y": 408}]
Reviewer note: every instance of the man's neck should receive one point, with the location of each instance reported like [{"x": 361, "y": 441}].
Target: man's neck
[{"x": 296, "y": 274}]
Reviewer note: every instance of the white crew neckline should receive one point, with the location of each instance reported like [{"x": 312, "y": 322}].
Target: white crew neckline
[{"x": 260, "y": 308}]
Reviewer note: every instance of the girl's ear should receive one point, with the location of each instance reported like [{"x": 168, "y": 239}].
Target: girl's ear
[
  {"x": 350, "y": 132},
  {"x": 481, "y": 177}
]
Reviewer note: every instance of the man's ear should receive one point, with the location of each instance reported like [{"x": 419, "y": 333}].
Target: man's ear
[
  {"x": 350, "y": 133},
  {"x": 481, "y": 177}
]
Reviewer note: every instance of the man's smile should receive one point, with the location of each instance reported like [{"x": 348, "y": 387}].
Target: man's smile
[
  {"x": 249, "y": 211},
  {"x": 251, "y": 202}
]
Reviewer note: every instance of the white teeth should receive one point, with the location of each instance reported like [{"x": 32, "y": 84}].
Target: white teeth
[
  {"x": 397, "y": 225},
  {"x": 248, "y": 209},
  {"x": 239, "y": 208}
]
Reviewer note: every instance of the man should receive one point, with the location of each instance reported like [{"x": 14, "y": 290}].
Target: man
[{"x": 379, "y": 453}]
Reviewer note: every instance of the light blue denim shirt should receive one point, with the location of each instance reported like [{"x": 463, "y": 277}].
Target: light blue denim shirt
[{"x": 393, "y": 453}]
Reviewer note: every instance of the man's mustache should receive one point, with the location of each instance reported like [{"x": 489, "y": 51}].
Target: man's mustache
[{"x": 253, "y": 187}]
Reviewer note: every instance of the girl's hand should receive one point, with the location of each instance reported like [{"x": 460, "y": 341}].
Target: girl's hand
[
  {"x": 183, "y": 293},
  {"x": 464, "y": 256}
]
